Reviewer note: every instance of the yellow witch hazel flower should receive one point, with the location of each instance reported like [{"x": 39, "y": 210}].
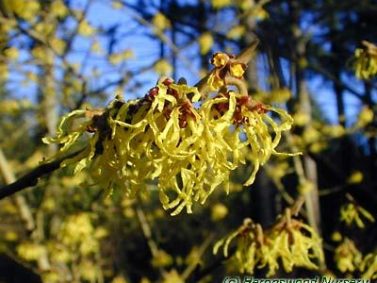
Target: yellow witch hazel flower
[
  {"x": 368, "y": 266},
  {"x": 145, "y": 139},
  {"x": 290, "y": 242},
  {"x": 365, "y": 63},
  {"x": 347, "y": 256},
  {"x": 219, "y": 4},
  {"x": 160, "y": 22},
  {"x": 206, "y": 42},
  {"x": 353, "y": 213},
  {"x": 224, "y": 64},
  {"x": 251, "y": 122},
  {"x": 174, "y": 137}
]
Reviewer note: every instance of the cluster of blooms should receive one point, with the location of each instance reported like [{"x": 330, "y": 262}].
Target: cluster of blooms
[
  {"x": 353, "y": 213},
  {"x": 347, "y": 256},
  {"x": 290, "y": 242},
  {"x": 351, "y": 261},
  {"x": 369, "y": 266},
  {"x": 185, "y": 141},
  {"x": 366, "y": 61}
]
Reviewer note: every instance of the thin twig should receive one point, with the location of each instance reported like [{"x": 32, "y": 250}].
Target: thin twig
[
  {"x": 31, "y": 178},
  {"x": 146, "y": 231},
  {"x": 191, "y": 267}
]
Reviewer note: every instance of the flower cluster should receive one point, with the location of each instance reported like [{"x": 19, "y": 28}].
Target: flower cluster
[
  {"x": 185, "y": 142},
  {"x": 351, "y": 261},
  {"x": 369, "y": 266},
  {"x": 290, "y": 242},
  {"x": 224, "y": 64},
  {"x": 347, "y": 256},
  {"x": 366, "y": 61},
  {"x": 353, "y": 213}
]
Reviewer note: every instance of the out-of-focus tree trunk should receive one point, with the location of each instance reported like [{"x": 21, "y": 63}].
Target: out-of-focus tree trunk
[
  {"x": 48, "y": 99},
  {"x": 48, "y": 120},
  {"x": 251, "y": 71},
  {"x": 20, "y": 201},
  {"x": 303, "y": 99},
  {"x": 264, "y": 207}
]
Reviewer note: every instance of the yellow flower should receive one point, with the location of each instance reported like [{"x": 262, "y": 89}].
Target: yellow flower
[
  {"x": 306, "y": 187},
  {"x": 365, "y": 117},
  {"x": 144, "y": 280},
  {"x": 85, "y": 29},
  {"x": 236, "y": 32},
  {"x": 336, "y": 236},
  {"x": 291, "y": 243},
  {"x": 45, "y": 29},
  {"x": 30, "y": 251},
  {"x": 215, "y": 82},
  {"x": 205, "y": 42},
  {"x": 365, "y": 63},
  {"x": 11, "y": 236},
  {"x": 301, "y": 118},
  {"x": 220, "y": 60},
  {"x": 245, "y": 4},
  {"x": 162, "y": 259},
  {"x": 237, "y": 70},
  {"x": 58, "y": 45},
  {"x": 119, "y": 279},
  {"x": 188, "y": 145},
  {"x": 97, "y": 48},
  {"x": 311, "y": 135},
  {"x": 88, "y": 271},
  {"x": 59, "y": 253},
  {"x": 352, "y": 213},
  {"x": 117, "y": 58},
  {"x": 41, "y": 54},
  {"x": 160, "y": 22},
  {"x": 260, "y": 13},
  {"x": 334, "y": 131},
  {"x": 58, "y": 8},
  {"x": 163, "y": 137},
  {"x": 172, "y": 276},
  {"x": 26, "y": 9},
  {"x": 280, "y": 95},
  {"x": 218, "y": 212},
  {"x": 51, "y": 276},
  {"x": 347, "y": 256},
  {"x": 368, "y": 266},
  {"x": 356, "y": 177},
  {"x": 257, "y": 126},
  {"x": 11, "y": 53},
  {"x": 224, "y": 65},
  {"x": 4, "y": 72},
  {"x": 117, "y": 5},
  {"x": 219, "y": 4},
  {"x": 163, "y": 67}
]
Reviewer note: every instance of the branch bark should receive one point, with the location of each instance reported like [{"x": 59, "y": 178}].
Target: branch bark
[{"x": 31, "y": 178}]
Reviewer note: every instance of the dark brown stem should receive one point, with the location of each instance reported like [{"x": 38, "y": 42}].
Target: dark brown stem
[{"x": 31, "y": 178}]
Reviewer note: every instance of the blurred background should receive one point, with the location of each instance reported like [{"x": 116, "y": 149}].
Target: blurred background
[{"x": 57, "y": 56}]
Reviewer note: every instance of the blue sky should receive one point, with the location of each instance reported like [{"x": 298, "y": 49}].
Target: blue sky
[{"x": 147, "y": 50}]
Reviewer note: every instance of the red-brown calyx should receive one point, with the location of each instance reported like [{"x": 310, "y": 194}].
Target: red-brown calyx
[{"x": 241, "y": 103}]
